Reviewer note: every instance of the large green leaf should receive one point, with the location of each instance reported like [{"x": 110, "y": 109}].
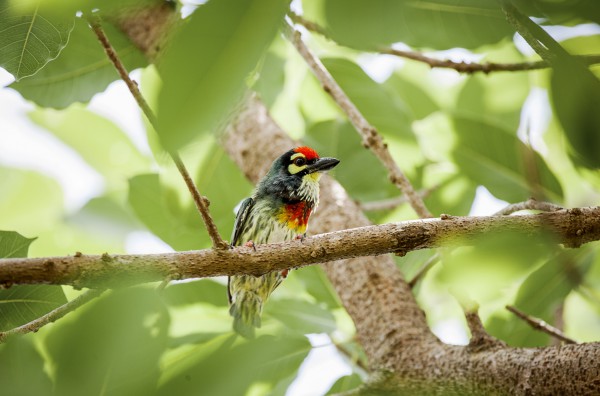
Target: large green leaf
[
  {"x": 22, "y": 369},
  {"x": 113, "y": 346},
  {"x": 561, "y": 11},
  {"x": 439, "y": 24},
  {"x": 222, "y": 367},
  {"x": 158, "y": 208},
  {"x": 540, "y": 295},
  {"x": 345, "y": 383},
  {"x": 102, "y": 144},
  {"x": 30, "y": 39},
  {"x": 497, "y": 159},
  {"x": 22, "y": 304},
  {"x": 301, "y": 316},
  {"x": 317, "y": 285},
  {"x": 198, "y": 291},
  {"x": 81, "y": 70},
  {"x": 205, "y": 68},
  {"x": 575, "y": 94}
]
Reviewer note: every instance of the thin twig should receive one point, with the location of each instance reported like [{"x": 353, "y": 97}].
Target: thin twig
[
  {"x": 424, "y": 269},
  {"x": 356, "y": 360},
  {"x": 392, "y": 203},
  {"x": 52, "y": 316},
  {"x": 200, "y": 201},
  {"x": 540, "y": 325},
  {"x": 371, "y": 138},
  {"x": 461, "y": 67},
  {"x": 530, "y": 204}
]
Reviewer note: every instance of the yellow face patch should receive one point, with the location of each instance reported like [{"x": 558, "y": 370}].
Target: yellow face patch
[{"x": 293, "y": 168}]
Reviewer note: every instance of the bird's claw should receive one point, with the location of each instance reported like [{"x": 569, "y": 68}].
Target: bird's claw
[{"x": 250, "y": 244}]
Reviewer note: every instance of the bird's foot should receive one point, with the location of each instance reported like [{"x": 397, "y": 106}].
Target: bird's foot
[{"x": 251, "y": 245}]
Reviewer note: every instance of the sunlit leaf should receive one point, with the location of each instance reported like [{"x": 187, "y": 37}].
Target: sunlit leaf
[
  {"x": 222, "y": 367},
  {"x": 439, "y": 24},
  {"x": 345, "y": 383},
  {"x": 205, "y": 68},
  {"x": 29, "y": 40},
  {"x": 22, "y": 369},
  {"x": 497, "y": 159},
  {"x": 301, "y": 316},
  {"x": 82, "y": 69},
  {"x": 13, "y": 244},
  {"x": 114, "y": 345}
]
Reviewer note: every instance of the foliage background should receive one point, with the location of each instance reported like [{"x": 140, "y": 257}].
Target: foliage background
[{"x": 506, "y": 135}]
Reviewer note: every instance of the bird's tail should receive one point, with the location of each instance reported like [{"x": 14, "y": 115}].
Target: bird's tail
[{"x": 246, "y": 310}]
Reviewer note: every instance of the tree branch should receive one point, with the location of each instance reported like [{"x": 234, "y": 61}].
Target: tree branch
[
  {"x": 201, "y": 202},
  {"x": 52, "y": 316},
  {"x": 461, "y": 67},
  {"x": 371, "y": 138},
  {"x": 540, "y": 325}
]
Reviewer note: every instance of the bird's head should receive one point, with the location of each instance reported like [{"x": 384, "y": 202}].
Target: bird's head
[{"x": 295, "y": 174}]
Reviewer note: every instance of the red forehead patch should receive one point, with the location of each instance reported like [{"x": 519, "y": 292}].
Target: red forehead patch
[{"x": 307, "y": 151}]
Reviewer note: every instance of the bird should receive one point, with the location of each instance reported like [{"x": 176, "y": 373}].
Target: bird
[{"x": 277, "y": 211}]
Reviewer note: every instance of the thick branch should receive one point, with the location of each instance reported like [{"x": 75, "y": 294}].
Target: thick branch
[{"x": 571, "y": 227}]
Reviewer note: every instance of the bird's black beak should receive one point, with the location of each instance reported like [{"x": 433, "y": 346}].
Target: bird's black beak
[{"x": 323, "y": 164}]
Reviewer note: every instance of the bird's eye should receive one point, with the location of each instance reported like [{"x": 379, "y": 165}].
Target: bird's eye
[{"x": 300, "y": 161}]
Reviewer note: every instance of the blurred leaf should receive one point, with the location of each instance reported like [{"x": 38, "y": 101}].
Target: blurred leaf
[
  {"x": 194, "y": 292},
  {"x": 345, "y": 383},
  {"x": 22, "y": 304},
  {"x": 30, "y": 39},
  {"x": 22, "y": 369},
  {"x": 13, "y": 244},
  {"x": 222, "y": 367},
  {"x": 317, "y": 285},
  {"x": 271, "y": 77},
  {"x": 385, "y": 110},
  {"x": 561, "y": 11},
  {"x": 362, "y": 175},
  {"x": 158, "y": 209},
  {"x": 540, "y": 295},
  {"x": 103, "y": 145},
  {"x": 81, "y": 70},
  {"x": 300, "y": 316},
  {"x": 205, "y": 68},
  {"x": 22, "y": 207},
  {"x": 112, "y": 347},
  {"x": 497, "y": 159},
  {"x": 416, "y": 99},
  {"x": 576, "y": 101},
  {"x": 372, "y": 24}
]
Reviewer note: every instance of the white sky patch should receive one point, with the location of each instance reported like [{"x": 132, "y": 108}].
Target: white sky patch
[
  {"x": 379, "y": 67},
  {"x": 321, "y": 368},
  {"x": 24, "y": 145},
  {"x": 451, "y": 331},
  {"x": 485, "y": 204},
  {"x": 535, "y": 118}
]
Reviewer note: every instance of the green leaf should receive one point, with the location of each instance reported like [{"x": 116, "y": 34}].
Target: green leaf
[
  {"x": 22, "y": 369},
  {"x": 13, "y": 244},
  {"x": 81, "y": 70},
  {"x": 420, "y": 103},
  {"x": 222, "y": 367},
  {"x": 540, "y": 296},
  {"x": 158, "y": 208},
  {"x": 497, "y": 159},
  {"x": 205, "y": 68},
  {"x": 301, "y": 316},
  {"x": 564, "y": 12},
  {"x": 575, "y": 93},
  {"x": 22, "y": 304},
  {"x": 103, "y": 145},
  {"x": 113, "y": 346},
  {"x": 198, "y": 291},
  {"x": 439, "y": 24},
  {"x": 345, "y": 383},
  {"x": 29, "y": 39},
  {"x": 317, "y": 285}
]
